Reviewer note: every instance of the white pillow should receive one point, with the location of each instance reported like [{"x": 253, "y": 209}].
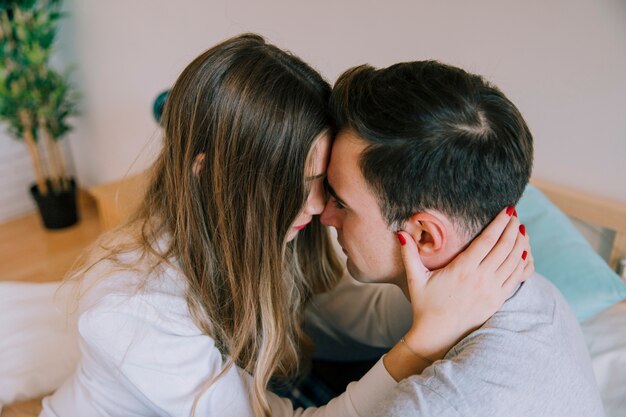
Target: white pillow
[{"x": 38, "y": 340}]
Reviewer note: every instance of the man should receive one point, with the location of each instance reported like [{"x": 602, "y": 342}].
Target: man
[{"x": 437, "y": 152}]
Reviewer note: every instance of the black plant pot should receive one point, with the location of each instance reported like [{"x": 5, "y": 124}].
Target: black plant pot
[{"x": 58, "y": 209}]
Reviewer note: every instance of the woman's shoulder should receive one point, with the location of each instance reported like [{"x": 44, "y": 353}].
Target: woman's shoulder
[
  {"x": 146, "y": 341},
  {"x": 142, "y": 328},
  {"x": 118, "y": 320},
  {"x": 144, "y": 294}
]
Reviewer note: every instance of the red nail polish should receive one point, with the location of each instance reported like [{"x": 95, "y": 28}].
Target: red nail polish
[
  {"x": 522, "y": 229},
  {"x": 524, "y": 255},
  {"x": 401, "y": 239},
  {"x": 510, "y": 210},
  {"x": 515, "y": 213}
]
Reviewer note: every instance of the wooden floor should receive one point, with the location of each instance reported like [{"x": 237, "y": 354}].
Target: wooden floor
[{"x": 28, "y": 252}]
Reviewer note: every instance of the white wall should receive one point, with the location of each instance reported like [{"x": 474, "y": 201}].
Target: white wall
[
  {"x": 563, "y": 62},
  {"x": 16, "y": 175}
]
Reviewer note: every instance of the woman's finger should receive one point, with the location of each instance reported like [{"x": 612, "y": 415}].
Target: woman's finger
[
  {"x": 486, "y": 240},
  {"x": 518, "y": 253},
  {"x": 529, "y": 269},
  {"x": 500, "y": 253},
  {"x": 416, "y": 273},
  {"x": 513, "y": 281}
]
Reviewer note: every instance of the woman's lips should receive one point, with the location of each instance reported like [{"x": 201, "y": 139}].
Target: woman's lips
[{"x": 301, "y": 226}]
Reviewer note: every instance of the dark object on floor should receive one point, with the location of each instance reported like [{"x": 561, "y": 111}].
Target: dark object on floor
[{"x": 57, "y": 208}]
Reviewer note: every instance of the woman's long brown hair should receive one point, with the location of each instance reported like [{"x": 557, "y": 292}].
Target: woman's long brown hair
[{"x": 253, "y": 113}]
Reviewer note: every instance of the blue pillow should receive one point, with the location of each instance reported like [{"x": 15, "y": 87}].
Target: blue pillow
[{"x": 563, "y": 256}]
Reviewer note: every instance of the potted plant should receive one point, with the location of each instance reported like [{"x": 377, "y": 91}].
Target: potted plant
[{"x": 36, "y": 102}]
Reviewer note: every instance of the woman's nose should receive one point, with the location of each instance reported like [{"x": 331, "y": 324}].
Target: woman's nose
[{"x": 316, "y": 202}]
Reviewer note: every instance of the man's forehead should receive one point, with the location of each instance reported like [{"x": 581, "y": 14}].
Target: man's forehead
[
  {"x": 351, "y": 137},
  {"x": 348, "y": 147},
  {"x": 344, "y": 173},
  {"x": 342, "y": 159}
]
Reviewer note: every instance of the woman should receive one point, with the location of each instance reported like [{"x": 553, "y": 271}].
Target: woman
[{"x": 194, "y": 305}]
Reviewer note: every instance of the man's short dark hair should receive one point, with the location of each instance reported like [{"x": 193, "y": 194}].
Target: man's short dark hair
[{"x": 438, "y": 138}]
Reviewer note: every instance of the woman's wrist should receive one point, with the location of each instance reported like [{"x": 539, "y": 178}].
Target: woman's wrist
[
  {"x": 431, "y": 343},
  {"x": 401, "y": 362},
  {"x": 416, "y": 351}
]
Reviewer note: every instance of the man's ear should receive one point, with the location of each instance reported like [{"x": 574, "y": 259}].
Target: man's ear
[
  {"x": 198, "y": 163},
  {"x": 428, "y": 231}
]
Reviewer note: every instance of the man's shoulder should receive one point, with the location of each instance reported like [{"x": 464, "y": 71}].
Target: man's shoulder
[
  {"x": 530, "y": 359},
  {"x": 536, "y": 301},
  {"x": 535, "y": 317},
  {"x": 535, "y": 290}
]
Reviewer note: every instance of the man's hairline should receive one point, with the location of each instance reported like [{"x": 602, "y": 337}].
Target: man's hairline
[{"x": 459, "y": 225}]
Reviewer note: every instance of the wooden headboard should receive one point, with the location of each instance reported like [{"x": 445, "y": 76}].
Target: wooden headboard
[
  {"x": 117, "y": 199},
  {"x": 591, "y": 209}
]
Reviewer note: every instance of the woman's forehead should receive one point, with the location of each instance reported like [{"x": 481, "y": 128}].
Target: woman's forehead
[{"x": 319, "y": 156}]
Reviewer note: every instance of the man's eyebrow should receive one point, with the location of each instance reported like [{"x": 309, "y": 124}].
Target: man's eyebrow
[{"x": 332, "y": 192}]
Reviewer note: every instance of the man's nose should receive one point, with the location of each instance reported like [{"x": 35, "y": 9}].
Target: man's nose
[{"x": 329, "y": 216}]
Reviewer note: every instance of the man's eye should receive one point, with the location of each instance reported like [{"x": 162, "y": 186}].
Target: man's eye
[
  {"x": 327, "y": 193},
  {"x": 337, "y": 203}
]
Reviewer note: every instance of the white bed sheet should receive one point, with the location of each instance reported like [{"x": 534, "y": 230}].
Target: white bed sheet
[{"x": 605, "y": 334}]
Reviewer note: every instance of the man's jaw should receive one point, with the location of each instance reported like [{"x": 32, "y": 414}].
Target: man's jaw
[{"x": 340, "y": 241}]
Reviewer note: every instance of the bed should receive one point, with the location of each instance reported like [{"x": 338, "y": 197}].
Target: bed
[
  {"x": 582, "y": 268},
  {"x": 603, "y": 224}
]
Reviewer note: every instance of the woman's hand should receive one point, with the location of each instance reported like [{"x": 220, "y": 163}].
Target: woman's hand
[{"x": 451, "y": 302}]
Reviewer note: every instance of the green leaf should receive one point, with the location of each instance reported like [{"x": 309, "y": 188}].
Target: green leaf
[{"x": 29, "y": 30}]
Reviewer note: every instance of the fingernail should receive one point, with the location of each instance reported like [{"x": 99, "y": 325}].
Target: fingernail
[
  {"x": 515, "y": 213},
  {"x": 524, "y": 255},
  {"x": 510, "y": 210},
  {"x": 401, "y": 239},
  {"x": 522, "y": 229}
]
